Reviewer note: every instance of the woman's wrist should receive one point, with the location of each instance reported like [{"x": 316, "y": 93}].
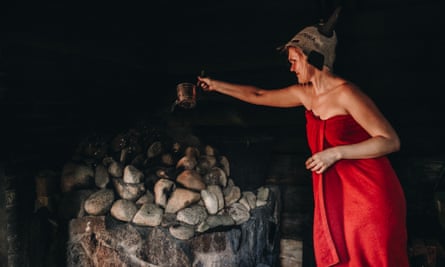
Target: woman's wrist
[
  {"x": 213, "y": 85},
  {"x": 337, "y": 153}
]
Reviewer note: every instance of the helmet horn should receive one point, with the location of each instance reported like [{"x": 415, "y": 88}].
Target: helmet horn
[{"x": 327, "y": 29}]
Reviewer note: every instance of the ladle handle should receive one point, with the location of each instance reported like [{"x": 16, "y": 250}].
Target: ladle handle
[
  {"x": 174, "y": 105},
  {"x": 202, "y": 74}
]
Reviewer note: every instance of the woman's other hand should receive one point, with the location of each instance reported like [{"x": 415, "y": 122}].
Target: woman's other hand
[{"x": 321, "y": 161}]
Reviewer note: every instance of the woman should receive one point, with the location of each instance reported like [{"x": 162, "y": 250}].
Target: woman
[{"x": 360, "y": 210}]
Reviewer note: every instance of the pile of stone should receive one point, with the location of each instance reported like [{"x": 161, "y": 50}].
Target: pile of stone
[{"x": 151, "y": 181}]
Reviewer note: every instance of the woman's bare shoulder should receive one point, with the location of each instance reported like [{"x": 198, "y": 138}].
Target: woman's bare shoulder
[
  {"x": 352, "y": 95},
  {"x": 351, "y": 89},
  {"x": 302, "y": 92}
]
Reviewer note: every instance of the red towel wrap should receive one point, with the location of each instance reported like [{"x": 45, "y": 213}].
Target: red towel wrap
[{"x": 360, "y": 208}]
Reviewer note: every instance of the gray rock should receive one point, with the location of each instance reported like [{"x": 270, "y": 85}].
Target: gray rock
[
  {"x": 180, "y": 199},
  {"x": 203, "y": 166},
  {"x": 123, "y": 210},
  {"x": 167, "y": 159},
  {"x": 148, "y": 215},
  {"x": 213, "y": 221},
  {"x": 188, "y": 163},
  {"x": 182, "y": 231},
  {"x": 248, "y": 199},
  {"x": 107, "y": 161},
  {"x": 191, "y": 179},
  {"x": 239, "y": 213},
  {"x": 101, "y": 176},
  {"x": 209, "y": 150},
  {"x": 132, "y": 175},
  {"x": 168, "y": 219},
  {"x": 215, "y": 176},
  {"x": 162, "y": 189},
  {"x": 262, "y": 196},
  {"x": 216, "y": 189},
  {"x": 162, "y": 173},
  {"x": 99, "y": 203},
  {"x": 231, "y": 194},
  {"x": 115, "y": 169},
  {"x": 192, "y": 152},
  {"x": 210, "y": 201},
  {"x": 128, "y": 191},
  {"x": 155, "y": 149},
  {"x": 148, "y": 197},
  {"x": 192, "y": 215},
  {"x": 225, "y": 165},
  {"x": 124, "y": 155},
  {"x": 210, "y": 159}
]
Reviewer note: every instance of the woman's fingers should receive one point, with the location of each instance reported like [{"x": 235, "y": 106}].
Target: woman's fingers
[
  {"x": 315, "y": 165},
  {"x": 203, "y": 83}
]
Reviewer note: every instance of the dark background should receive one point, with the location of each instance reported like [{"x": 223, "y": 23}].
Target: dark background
[
  {"x": 69, "y": 68},
  {"x": 72, "y": 69}
]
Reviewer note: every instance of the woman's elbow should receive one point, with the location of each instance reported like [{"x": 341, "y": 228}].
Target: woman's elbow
[
  {"x": 395, "y": 144},
  {"x": 390, "y": 144}
]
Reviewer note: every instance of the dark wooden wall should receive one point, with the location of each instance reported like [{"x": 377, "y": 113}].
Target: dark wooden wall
[{"x": 67, "y": 70}]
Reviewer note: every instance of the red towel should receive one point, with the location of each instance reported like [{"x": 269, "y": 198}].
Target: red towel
[{"x": 360, "y": 208}]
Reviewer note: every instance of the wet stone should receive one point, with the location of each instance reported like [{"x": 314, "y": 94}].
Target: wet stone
[
  {"x": 101, "y": 176},
  {"x": 128, "y": 191},
  {"x": 123, "y": 210},
  {"x": 148, "y": 215},
  {"x": 132, "y": 175},
  {"x": 115, "y": 169},
  {"x": 99, "y": 203},
  {"x": 191, "y": 179},
  {"x": 192, "y": 215},
  {"x": 182, "y": 231},
  {"x": 148, "y": 197},
  {"x": 162, "y": 189},
  {"x": 180, "y": 199}
]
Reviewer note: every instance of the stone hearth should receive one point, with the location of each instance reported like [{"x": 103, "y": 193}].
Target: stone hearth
[{"x": 104, "y": 241}]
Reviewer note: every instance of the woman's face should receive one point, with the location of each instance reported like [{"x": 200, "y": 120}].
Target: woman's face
[{"x": 299, "y": 65}]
